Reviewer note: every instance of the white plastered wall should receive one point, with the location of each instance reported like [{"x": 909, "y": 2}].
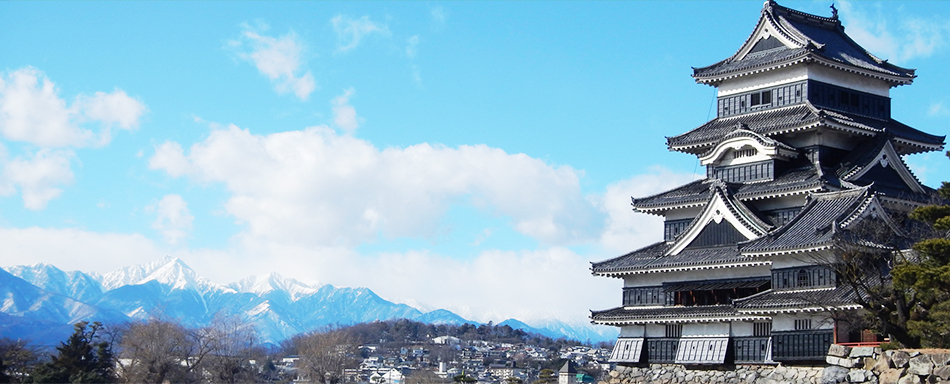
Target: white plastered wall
[
  {"x": 802, "y": 72},
  {"x": 633, "y": 331},
  {"x": 803, "y": 259},
  {"x": 742, "y": 328},
  {"x": 706, "y": 330},
  {"x": 786, "y": 321},
  {"x": 686, "y": 213},
  {"x": 655, "y": 330}
]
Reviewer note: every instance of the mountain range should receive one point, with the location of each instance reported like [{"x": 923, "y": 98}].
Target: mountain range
[{"x": 41, "y": 302}]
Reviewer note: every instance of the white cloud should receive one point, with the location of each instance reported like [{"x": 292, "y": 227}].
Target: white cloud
[
  {"x": 317, "y": 187},
  {"x": 350, "y": 32},
  {"x": 438, "y": 14},
  {"x": 39, "y": 176},
  {"x": 32, "y": 111},
  {"x": 627, "y": 230},
  {"x": 74, "y": 249},
  {"x": 173, "y": 219},
  {"x": 170, "y": 157},
  {"x": 412, "y": 46},
  {"x": 344, "y": 115},
  {"x": 279, "y": 59},
  {"x": 938, "y": 110},
  {"x": 891, "y": 34}
]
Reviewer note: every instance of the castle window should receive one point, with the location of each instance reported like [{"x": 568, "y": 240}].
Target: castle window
[
  {"x": 802, "y": 324},
  {"x": 674, "y": 330},
  {"x": 761, "y": 98},
  {"x": 743, "y": 153},
  {"x": 804, "y": 278},
  {"x": 761, "y": 328}
]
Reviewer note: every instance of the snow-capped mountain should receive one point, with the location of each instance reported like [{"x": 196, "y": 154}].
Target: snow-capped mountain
[
  {"x": 40, "y": 302},
  {"x": 74, "y": 284},
  {"x": 271, "y": 282}
]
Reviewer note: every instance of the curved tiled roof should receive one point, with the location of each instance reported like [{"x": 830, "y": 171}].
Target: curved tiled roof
[
  {"x": 819, "y": 39},
  {"x": 763, "y": 123},
  {"x": 799, "y": 117},
  {"x": 815, "y": 226},
  {"x": 797, "y": 300},
  {"x": 664, "y": 314},
  {"x": 791, "y": 182},
  {"x": 741, "y": 131},
  {"x": 652, "y": 257}
]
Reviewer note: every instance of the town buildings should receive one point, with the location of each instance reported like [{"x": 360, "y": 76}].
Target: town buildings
[{"x": 803, "y": 150}]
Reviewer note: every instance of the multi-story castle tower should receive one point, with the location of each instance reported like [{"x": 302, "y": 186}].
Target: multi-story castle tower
[{"x": 803, "y": 148}]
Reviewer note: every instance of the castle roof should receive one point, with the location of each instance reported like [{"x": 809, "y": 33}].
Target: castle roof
[
  {"x": 792, "y": 182},
  {"x": 806, "y": 300},
  {"x": 653, "y": 258},
  {"x": 785, "y": 37},
  {"x": 816, "y": 225},
  {"x": 801, "y": 117},
  {"x": 677, "y": 314}
]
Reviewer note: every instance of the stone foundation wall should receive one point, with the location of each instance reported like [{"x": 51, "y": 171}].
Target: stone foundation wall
[
  {"x": 745, "y": 374},
  {"x": 845, "y": 365},
  {"x": 870, "y": 365}
]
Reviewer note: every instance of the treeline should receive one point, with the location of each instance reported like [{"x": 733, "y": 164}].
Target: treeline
[
  {"x": 228, "y": 351},
  {"x": 404, "y": 331}
]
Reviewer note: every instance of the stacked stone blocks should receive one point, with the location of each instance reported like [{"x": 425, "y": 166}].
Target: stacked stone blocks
[{"x": 844, "y": 365}]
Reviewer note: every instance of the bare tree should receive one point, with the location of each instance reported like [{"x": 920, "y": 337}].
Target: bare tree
[
  {"x": 232, "y": 347},
  {"x": 324, "y": 355},
  {"x": 158, "y": 351},
  {"x": 864, "y": 256}
]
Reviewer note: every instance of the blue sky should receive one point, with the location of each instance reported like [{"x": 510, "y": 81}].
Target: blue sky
[{"x": 474, "y": 156}]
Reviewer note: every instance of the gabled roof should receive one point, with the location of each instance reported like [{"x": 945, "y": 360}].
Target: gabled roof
[
  {"x": 816, "y": 225},
  {"x": 807, "y": 300},
  {"x": 568, "y": 367},
  {"x": 800, "y": 117},
  {"x": 736, "y": 214},
  {"x": 786, "y": 37},
  {"x": 742, "y": 137},
  {"x": 879, "y": 154}
]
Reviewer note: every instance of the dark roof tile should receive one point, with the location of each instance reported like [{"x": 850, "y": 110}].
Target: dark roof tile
[
  {"x": 814, "y": 225},
  {"x": 799, "y": 299},
  {"x": 822, "y": 39},
  {"x": 664, "y": 313}
]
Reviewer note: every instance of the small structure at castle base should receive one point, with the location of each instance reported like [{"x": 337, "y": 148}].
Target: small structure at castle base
[{"x": 802, "y": 151}]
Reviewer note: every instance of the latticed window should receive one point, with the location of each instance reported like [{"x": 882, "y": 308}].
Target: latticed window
[
  {"x": 761, "y": 328},
  {"x": 804, "y": 278},
  {"x": 674, "y": 330},
  {"x": 802, "y": 324},
  {"x": 745, "y": 152}
]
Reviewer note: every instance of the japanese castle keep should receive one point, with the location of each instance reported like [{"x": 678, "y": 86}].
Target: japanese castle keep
[{"x": 803, "y": 148}]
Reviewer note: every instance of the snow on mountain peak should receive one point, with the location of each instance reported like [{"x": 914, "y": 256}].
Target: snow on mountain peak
[
  {"x": 168, "y": 271},
  {"x": 273, "y": 281}
]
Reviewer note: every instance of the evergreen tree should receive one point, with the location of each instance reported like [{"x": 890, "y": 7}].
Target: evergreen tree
[
  {"x": 83, "y": 358},
  {"x": 926, "y": 279}
]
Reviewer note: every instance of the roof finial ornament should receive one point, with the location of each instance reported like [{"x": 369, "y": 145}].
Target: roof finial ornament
[{"x": 834, "y": 12}]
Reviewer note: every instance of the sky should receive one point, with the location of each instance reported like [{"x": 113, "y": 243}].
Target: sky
[{"x": 472, "y": 156}]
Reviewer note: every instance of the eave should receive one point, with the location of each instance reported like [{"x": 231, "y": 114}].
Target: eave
[
  {"x": 805, "y": 58},
  {"x": 700, "y": 267}
]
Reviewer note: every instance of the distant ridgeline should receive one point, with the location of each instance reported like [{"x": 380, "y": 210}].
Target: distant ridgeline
[{"x": 43, "y": 302}]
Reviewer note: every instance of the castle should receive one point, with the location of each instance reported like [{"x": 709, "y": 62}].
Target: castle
[{"x": 802, "y": 149}]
